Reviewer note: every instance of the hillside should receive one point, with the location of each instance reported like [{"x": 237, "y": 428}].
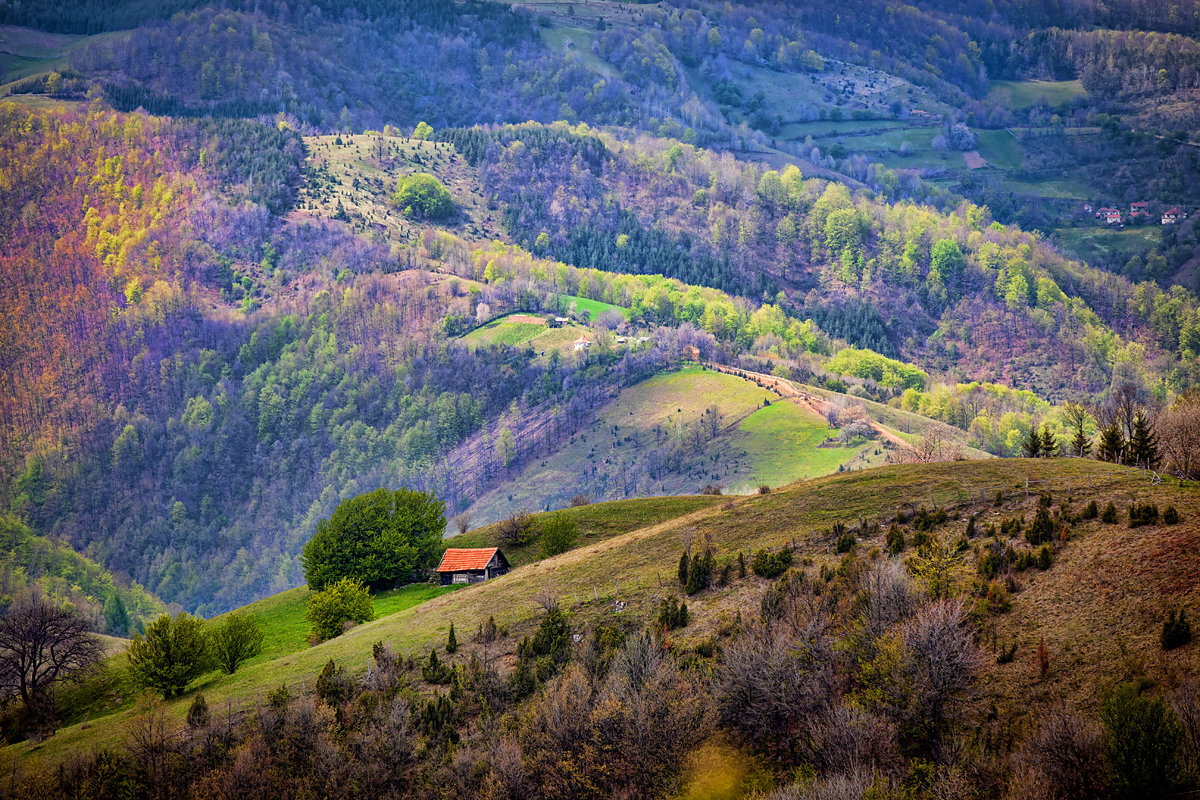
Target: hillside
[{"x": 1096, "y": 637}]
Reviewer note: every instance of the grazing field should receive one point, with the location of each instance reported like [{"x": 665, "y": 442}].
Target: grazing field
[
  {"x": 576, "y": 43},
  {"x": 1093, "y": 242},
  {"x": 660, "y": 420},
  {"x": 353, "y": 178},
  {"x": 27, "y": 53},
  {"x": 511, "y": 330},
  {"x": 1027, "y": 93},
  {"x": 1001, "y": 149},
  {"x": 821, "y": 129},
  {"x": 572, "y": 304}
]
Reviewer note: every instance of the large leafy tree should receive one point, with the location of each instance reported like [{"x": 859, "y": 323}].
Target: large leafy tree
[
  {"x": 423, "y": 196},
  {"x": 379, "y": 539},
  {"x": 172, "y": 652}
]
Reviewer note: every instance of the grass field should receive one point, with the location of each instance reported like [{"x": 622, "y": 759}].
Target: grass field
[
  {"x": 756, "y": 445},
  {"x": 1001, "y": 149},
  {"x": 510, "y": 330},
  {"x": 594, "y": 307},
  {"x": 1054, "y": 188},
  {"x": 576, "y": 43},
  {"x": 1095, "y": 242},
  {"x": 25, "y": 53},
  {"x": 1111, "y": 612},
  {"x": 843, "y": 127},
  {"x": 1027, "y": 93},
  {"x": 781, "y": 441}
]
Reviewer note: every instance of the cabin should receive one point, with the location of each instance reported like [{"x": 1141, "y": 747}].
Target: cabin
[{"x": 471, "y": 565}]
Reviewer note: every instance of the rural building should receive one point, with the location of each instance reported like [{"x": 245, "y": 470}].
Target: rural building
[
  {"x": 1173, "y": 215},
  {"x": 582, "y": 343},
  {"x": 471, "y": 565},
  {"x": 558, "y": 322},
  {"x": 1138, "y": 207}
]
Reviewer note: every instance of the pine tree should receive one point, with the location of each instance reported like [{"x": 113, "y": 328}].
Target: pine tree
[
  {"x": 116, "y": 617},
  {"x": 683, "y": 569},
  {"x": 1143, "y": 444},
  {"x": 451, "y": 640},
  {"x": 1032, "y": 448},
  {"x": 1112, "y": 444},
  {"x": 1049, "y": 442}
]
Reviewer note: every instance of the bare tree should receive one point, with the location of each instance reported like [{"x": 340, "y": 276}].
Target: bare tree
[
  {"x": 1065, "y": 759},
  {"x": 1179, "y": 436},
  {"x": 462, "y": 521},
  {"x": 42, "y": 644},
  {"x": 934, "y": 445},
  {"x": 887, "y": 595},
  {"x": 712, "y": 420},
  {"x": 942, "y": 659}
]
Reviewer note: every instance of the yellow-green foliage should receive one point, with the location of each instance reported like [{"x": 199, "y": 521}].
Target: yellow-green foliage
[{"x": 881, "y": 369}]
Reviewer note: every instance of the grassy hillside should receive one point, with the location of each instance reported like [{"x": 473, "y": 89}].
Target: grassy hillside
[
  {"x": 652, "y": 439},
  {"x": 1095, "y": 636}
]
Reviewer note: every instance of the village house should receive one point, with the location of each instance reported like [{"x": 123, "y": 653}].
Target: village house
[
  {"x": 582, "y": 343},
  {"x": 471, "y": 565},
  {"x": 1173, "y": 215},
  {"x": 1138, "y": 208}
]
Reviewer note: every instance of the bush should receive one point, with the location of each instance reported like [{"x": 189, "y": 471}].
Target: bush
[
  {"x": 673, "y": 614},
  {"x": 895, "y": 540},
  {"x": 451, "y": 640},
  {"x": 1141, "y": 739},
  {"x": 236, "y": 639},
  {"x": 1090, "y": 511},
  {"x": 700, "y": 572},
  {"x": 1176, "y": 630},
  {"x": 333, "y": 686},
  {"x": 1109, "y": 516},
  {"x": 1042, "y": 529},
  {"x": 345, "y": 601},
  {"x": 198, "y": 715},
  {"x": 379, "y": 539},
  {"x": 558, "y": 534},
  {"x": 1045, "y": 558},
  {"x": 170, "y": 654},
  {"x": 1143, "y": 514},
  {"x": 423, "y": 196},
  {"x": 771, "y": 565},
  {"x": 435, "y": 672},
  {"x": 1170, "y": 516},
  {"x": 517, "y": 529}
]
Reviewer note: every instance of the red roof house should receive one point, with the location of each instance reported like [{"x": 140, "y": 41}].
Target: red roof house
[{"x": 471, "y": 565}]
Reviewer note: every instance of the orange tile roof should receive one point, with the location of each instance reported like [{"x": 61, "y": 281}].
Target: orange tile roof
[{"x": 457, "y": 559}]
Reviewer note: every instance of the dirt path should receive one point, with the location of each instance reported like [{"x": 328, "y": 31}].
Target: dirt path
[{"x": 813, "y": 402}]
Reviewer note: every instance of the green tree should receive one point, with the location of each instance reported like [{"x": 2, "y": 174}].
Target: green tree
[
  {"x": 1049, "y": 446},
  {"x": 1077, "y": 421},
  {"x": 346, "y": 600},
  {"x": 1112, "y": 444},
  {"x": 558, "y": 534},
  {"x": 116, "y": 616},
  {"x": 451, "y": 640},
  {"x": 423, "y": 130},
  {"x": 236, "y": 639},
  {"x": 379, "y": 538},
  {"x": 170, "y": 654},
  {"x": 946, "y": 263},
  {"x": 1141, "y": 740},
  {"x": 1143, "y": 444},
  {"x": 423, "y": 196},
  {"x": 1032, "y": 447}
]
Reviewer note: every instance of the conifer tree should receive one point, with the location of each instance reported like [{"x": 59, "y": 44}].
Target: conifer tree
[
  {"x": 1049, "y": 443},
  {"x": 1112, "y": 444},
  {"x": 1077, "y": 420},
  {"x": 1032, "y": 448},
  {"x": 451, "y": 640},
  {"x": 1143, "y": 444}
]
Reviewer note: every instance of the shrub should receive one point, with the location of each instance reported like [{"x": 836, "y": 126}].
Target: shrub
[
  {"x": 1109, "y": 516},
  {"x": 1007, "y": 654},
  {"x": 673, "y": 614},
  {"x": 345, "y": 601},
  {"x": 1045, "y": 558},
  {"x": 1090, "y": 511},
  {"x": 451, "y": 640},
  {"x": 1176, "y": 630},
  {"x": 1141, "y": 740},
  {"x": 1012, "y": 527},
  {"x": 684, "y": 563},
  {"x": 236, "y": 639},
  {"x": 333, "y": 686},
  {"x": 1143, "y": 514},
  {"x": 764, "y": 489},
  {"x": 379, "y": 539},
  {"x": 700, "y": 572},
  {"x": 434, "y": 671},
  {"x": 1170, "y": 516},
  {"x": 198, "y": 714},
  {"x": 558, "y": 534},
  {"x": 1042, "y": 529},
  {"x": 771, "y": 565},
  {"x": 580, "y": 500},
  {"x": 711, "y": 489},
  {"x": 170, "y": 654},
  {"x": 895, "y": 540},
  {"x": 516, "y": 529}
]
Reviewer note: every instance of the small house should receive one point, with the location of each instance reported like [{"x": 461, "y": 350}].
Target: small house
[
  {"x": 471, "y": 565},
  {"x": 1139, "y": 207},
  {"x": 1173, "y": 215},
  {"x": 582, "y": 343},
  {"x": 1113, "y": 217}
]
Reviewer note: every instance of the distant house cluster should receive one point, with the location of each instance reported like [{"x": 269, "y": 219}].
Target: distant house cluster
[{"x": 1138, "y": 212}]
